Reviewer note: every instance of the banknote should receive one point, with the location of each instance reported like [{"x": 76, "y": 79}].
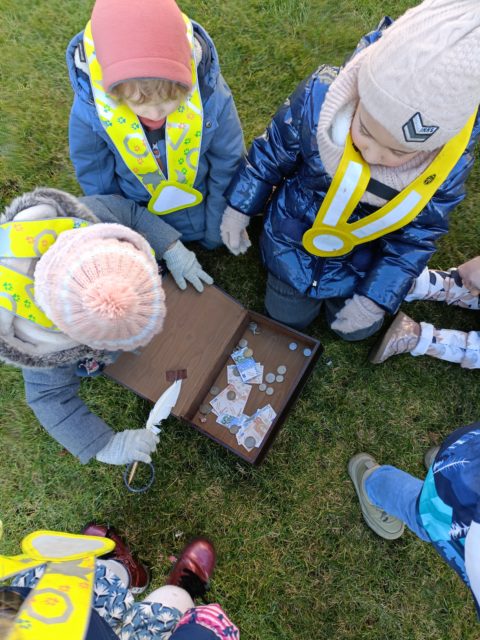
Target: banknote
[
  {"x": 246, "y": 366},
  {"x": 233, "y": 375},
  {"x": 256, "y": 428},
  {"x": 235, "y": 405}
]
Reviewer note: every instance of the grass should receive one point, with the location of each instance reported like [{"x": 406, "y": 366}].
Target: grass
[{"x": 295, "y": 559}]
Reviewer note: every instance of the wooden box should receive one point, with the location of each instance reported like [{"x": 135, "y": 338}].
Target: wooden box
[{"x": 200, "y": 333}]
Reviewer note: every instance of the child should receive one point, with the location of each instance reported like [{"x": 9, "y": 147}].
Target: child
[
  {"x": 97, "y": 292},
  {"x": 167, "y": 132},
  {"x": 460, "y": 287},
  {"x": 167, "y": 612},
  {"x": 443, "y": 510},
  {"x": 367, "y": 163}
]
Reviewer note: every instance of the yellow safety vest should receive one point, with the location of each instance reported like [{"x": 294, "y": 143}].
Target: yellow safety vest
[
  {"x": 28, "y": 239},
  {"x": 332, "y": 235},
  {"x": 59, "y": 606},
  {"x": 183, "y": 138}
]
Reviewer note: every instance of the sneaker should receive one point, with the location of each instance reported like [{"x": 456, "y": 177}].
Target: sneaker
[
  {"x": 194, "y": 567},
  {"x": 137, "y": 572},
  {"x": 402, "y": 336},
  {"x": 359, "y": 468},
  {"x": 430, "y": 455}
]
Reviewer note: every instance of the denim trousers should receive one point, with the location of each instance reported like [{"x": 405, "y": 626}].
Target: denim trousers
[
  {"x": 397, "y": 492},
  {"x": 285, "y": 304}
]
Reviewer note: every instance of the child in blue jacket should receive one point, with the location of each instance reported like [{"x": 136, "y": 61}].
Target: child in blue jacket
[
  {"x": 360, "y": 168},
  {"x": 153, "y": 119}
]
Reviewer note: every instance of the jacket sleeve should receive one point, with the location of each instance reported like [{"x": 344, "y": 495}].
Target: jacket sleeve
[
  {"x": 403, "y": 254},
  {"x": 273, "y": 156},
  {"x": 52, "y": 394},
  {"x": 223, "y": 155},
  {"x": 92, "y": 160}
]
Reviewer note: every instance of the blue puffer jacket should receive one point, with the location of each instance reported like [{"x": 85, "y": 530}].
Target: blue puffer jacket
[
  {"x": 101, "y": 170},
  {"x": 286, "y": 156}
]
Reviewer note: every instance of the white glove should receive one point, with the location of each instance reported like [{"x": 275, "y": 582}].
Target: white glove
[
  {"x": 357, "y": 313},
  {"x": 234, "y": 231},
  {"x": 184, "y": 266},
  {"x": 129, "y": 446},
  {"x": 470, "y": 275}
]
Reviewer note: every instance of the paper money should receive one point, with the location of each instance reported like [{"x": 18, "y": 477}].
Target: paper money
[
  {"x": 256, "y": 427},
  {"x": 222, "y": 405},
  {"x": 234, "y": 376},
  {"x": 246, "y": 366}
]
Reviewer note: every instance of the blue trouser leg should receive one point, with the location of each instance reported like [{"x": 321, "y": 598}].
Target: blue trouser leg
[{"x": 396, "y": 492}]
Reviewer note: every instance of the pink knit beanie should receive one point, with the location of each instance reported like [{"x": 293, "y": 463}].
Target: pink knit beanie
[
  {"x": 100, "y": 286},
  {"x": 421, "y": 80},
  {"x": 141, "y": 39}
]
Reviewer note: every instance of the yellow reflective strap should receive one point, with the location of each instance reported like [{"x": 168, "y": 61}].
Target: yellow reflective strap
[
  {"x": 32, "y": 238},
  {"x": 66, "y": 546},
  {"x": 332, "y": 235},
  {"x": 11, "y": 565},
  {"x": 17, "y": 296},
  {"x": 183, "y": 138}
]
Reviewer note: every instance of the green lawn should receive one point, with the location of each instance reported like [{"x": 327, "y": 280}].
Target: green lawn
[{"x": 295, "y": 559}]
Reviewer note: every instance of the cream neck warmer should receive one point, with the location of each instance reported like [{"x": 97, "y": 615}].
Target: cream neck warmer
[{"x": 334, "y": 123}]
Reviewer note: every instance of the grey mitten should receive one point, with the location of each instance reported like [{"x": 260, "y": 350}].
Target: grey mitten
[
  {"x": 234, "y": 231},
  {"x": 184, "y": 267},
  {"x": 356, "y": 314},
  {"x": 129, "y": 446}
]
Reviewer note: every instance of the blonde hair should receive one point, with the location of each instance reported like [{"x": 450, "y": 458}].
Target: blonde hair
[{"x": 149, "y": 90}]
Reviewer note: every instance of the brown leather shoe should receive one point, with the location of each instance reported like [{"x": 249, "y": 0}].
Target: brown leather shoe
[
  {"x": 138, "y": 572},
  {"x": 194, "y": 567},
  {"x": 401, "y": 337}
]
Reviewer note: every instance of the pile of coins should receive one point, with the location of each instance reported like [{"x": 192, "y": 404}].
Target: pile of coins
[{"x": 270, "y": 378}]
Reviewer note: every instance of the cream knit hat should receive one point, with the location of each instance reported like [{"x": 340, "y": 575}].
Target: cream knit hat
[{"x": 421, "y": 80}]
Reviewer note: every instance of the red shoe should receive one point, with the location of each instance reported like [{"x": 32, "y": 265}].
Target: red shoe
[
  {"x": 194, "y": 567},
  {"x": 138, "y": 572}
]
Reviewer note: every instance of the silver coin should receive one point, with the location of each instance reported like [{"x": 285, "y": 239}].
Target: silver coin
[
  {"x": 282, "y": 369},
  {"x": 205, "y": 409},
  {"x": 307, "y": 352},
  {"x": 253, "y": 326},
  {"x": 279, "y": 379},
  {"x": 248, "y": 353},
  {"x": 262, "y": 387},
  {"x": 292, "y": 346},
  {"x": 250, "y": 442},
  {"x": 243, "y": 343},
  {"x": 215, "y": 390},
  {"x": 270, "y": 377},
  {"x": 235, "y": 372},
  {"x": 269, "y": 391},
  {"x": 234, "y": 429},
  {"x": 231, "y": 395}
]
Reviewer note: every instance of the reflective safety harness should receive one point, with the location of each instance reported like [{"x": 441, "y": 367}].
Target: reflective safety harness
[
  {"x": 183, "y": 138},
  {"x": 59, "y": 606},
  {"x": 332, "y": 235},
  {"x": 28, "y": 239}
]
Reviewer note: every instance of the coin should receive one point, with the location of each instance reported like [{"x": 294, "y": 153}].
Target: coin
[
  {"x": 203, "y": 419},
  {"x": 253, "y": 326},
  {"x": 269, "y": 391},
  {"x": 205, "y": 409},
  {"x": 243, "y": 343},
  {"x": 270, "y": 377},
  {"x": 234, "y": 429},
  {"x": 307, "y": 352},
  {"x": 248, "y": 353},
  {"x": 292, "y": 346},
  {"x": 279, "y": 379},
  {"x": 231, "y": 395},
  {"x": 262, "y": 387},
  {"x": 282, "y": 369},
  {"x": 236, "y": 372},
  {"x": 250, "y": 442},
  {"x": 215, "y": 390}
]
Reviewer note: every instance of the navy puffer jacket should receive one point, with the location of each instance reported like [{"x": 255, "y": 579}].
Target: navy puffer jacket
[{"x": 286, "y": 156}]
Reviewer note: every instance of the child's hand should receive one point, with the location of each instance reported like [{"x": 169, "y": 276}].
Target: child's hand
[
  {"x": 470, "y": 275},
  {"x": 129, "y": 446},
  {"x": 234, "y": 231},
  {"x": 357, "y": 313},
  {"x": 184, "y": 267}
]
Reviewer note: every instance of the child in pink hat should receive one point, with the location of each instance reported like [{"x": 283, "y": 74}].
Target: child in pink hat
[{"x": 152, "y": 118}]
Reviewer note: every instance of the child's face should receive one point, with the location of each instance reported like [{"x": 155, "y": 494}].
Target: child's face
[
  {"x": 375, "y": 143},
  {"x": 153, "y": 110}
]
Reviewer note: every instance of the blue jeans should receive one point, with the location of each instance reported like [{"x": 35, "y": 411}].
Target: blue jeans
[
  {"x": 397, "y": 493},
  {"x": 285, "y": 304}
]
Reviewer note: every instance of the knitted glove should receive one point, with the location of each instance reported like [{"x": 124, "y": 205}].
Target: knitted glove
[
  {"x": 470, "y": 275},
  {"x": 129, "y": 446},
  {"x": 234, "y": 231},
  {"x": 357, "y": 313},
  {"x": 184, "y": 267}
]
